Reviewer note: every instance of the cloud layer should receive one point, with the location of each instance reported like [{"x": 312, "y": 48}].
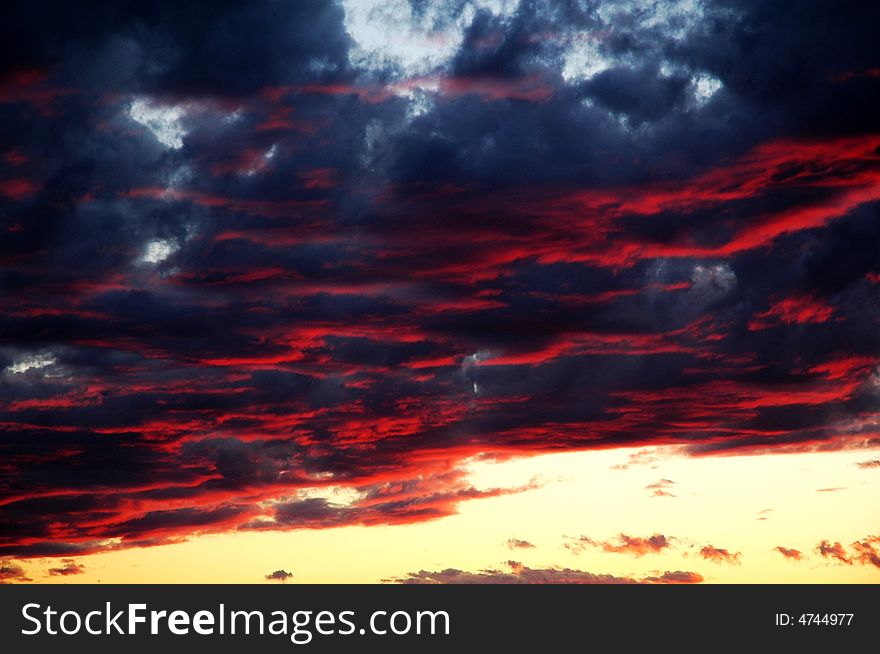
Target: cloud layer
[{"x": 266, "y": 269}]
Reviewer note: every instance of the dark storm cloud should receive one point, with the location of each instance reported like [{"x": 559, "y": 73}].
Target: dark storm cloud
[
  {"x": 793, "y": 62},
  {"x": 54, "y": 548},
  {"x": 639, "y": 94},
  {"x": 426, "y": 497},
  {"x": 244, "y": 268},
  {"x": 175, "y": 520},
  {"x": 226, "y": 48}
]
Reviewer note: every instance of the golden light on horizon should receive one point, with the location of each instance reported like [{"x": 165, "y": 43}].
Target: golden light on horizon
[{"x": 747, "y": 505}]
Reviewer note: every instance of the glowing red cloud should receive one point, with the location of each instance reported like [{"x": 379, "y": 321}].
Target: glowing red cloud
[
  {"x": 789, "y": 553},
  {"x": 18, "y": 188},
  {"x": 799, "y": 310}
]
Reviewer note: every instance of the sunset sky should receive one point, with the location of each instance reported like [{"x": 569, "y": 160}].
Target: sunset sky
[{"x": 399, "y": 291}]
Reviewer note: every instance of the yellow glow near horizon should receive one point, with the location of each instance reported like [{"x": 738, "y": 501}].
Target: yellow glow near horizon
[{"x": 718, "y": 501}]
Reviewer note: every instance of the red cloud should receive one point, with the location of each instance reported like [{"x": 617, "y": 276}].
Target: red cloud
[
  {"x": 834, "y": 551},
  {"x": 798, "y": 310},
  {"x": 789, "y": 553},
  {"x": 488, "y": 88},
  {"x": 625, "y": 544},
  {"x": 863, "y": 552},
  {"x": 14, "y": 158},
  {"x": 660, "y": 488},
  {"x": 12, "y": 572},
  {"x": 676, "y": 577},
  {"x": 319, "y": 178},
  {"x": 18, "y": 188},
  {"x": 719, "y": 555},
  {"x": 351, "y": 369},
  {"x": 30, "y": 86},
  {"x": 857, "y": 74}
]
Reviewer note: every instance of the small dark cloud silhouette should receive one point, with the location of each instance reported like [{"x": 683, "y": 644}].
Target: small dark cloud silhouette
[
  {"x": 517, "y": 544},
  {"x": 68, "y": 567},
  {"x": 661, "y": 488},
  {"x": 640, "y": 458},
  {"x": 279, "y": 575},
  {"x": 11, "y": 572},
  {"x": 520, "y": 574},
  {"x": 676, "y": 577}
]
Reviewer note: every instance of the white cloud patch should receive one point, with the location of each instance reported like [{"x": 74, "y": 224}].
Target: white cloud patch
[
  {"x": 234, "y": 117},
  {"x": 469, "y": 366},
  {"x": 261, "y": 163},
  {"x": 674, "y": 17},
  {"x": 420, "y": 100},
  {"x": 178, "y": 177},
  {"x": 475, "y": 358},
  {"x": 340, "y": 496},
  {"x": 584, "y": 57},
  {"x": 704, "y": 86},
  {"x": 375, "y": 144},
  {"x": 157, "y": 251},
  {"x": 164, "y": 121},
  {"x": 34, "y": 362},
  {"x": 713, "y": 277},
  {"x": 417, "y": 44},
  {"x": 389, "y": 33}
]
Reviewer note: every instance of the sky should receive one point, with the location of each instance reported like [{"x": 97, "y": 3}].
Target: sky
[{"x": 466, "y": 291}]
